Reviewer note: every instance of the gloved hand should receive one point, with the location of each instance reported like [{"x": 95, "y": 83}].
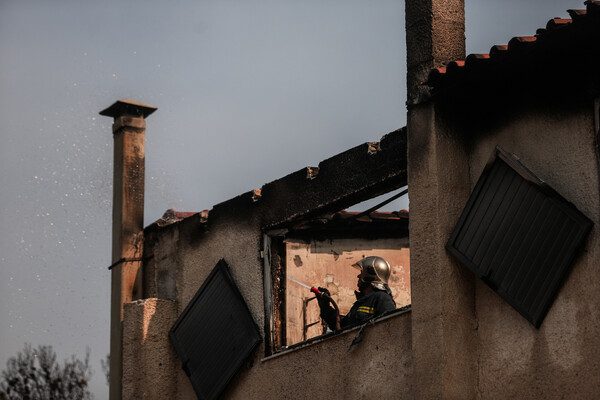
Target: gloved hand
[
  {"x": 323, "y": 298},
  {"x": 328, "y": 312}
]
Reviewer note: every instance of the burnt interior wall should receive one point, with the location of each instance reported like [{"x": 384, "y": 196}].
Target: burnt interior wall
[{"x": 327, "y": 263}]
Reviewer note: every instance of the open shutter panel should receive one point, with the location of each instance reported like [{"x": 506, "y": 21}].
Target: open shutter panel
[
  {"x": 519, "y": 236},
  {"x": 215, "y": 334}
]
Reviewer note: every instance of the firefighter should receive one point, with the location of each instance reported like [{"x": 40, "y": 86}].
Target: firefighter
[{"x": 373, "y": 297}]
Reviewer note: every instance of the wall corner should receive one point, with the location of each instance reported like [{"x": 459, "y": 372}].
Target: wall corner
[{"x": 149, "y": 360}]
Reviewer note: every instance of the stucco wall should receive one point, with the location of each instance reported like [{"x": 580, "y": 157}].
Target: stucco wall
[
  {"x": 192, "y": 254},
  {"x": 149, "y": 361},
  {"x": 467, "y": 341},
  {"x": 315, "y": 369},
  {"x": 562, "y": 358},
  {"x": 379, "y": 367},
  {"x": 443, "y": 302}
]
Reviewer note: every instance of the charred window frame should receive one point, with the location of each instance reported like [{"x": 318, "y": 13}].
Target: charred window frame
[
  {"x": 597, "y": 131},
  {"x": 274, "y": 286}
]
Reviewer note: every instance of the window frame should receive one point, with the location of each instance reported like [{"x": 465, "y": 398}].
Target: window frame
[{"x": 275, "y": 281}]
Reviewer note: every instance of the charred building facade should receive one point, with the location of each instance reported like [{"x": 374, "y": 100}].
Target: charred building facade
[{"x": 497, "y": 258}]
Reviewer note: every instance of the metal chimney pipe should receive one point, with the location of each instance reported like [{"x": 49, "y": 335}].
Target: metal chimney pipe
[{"x": 129, "y": 129}]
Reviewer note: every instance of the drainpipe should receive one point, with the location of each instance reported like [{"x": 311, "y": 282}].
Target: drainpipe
[{"x": 128, "y": 222}]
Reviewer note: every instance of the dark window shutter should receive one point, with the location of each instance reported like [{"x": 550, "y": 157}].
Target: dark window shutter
[
  {"x": 519, "y": 236},
  {"x": 215, "y": 334}
]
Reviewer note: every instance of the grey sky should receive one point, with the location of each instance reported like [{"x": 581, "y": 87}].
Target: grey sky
[{"x": 247, "y": 91}]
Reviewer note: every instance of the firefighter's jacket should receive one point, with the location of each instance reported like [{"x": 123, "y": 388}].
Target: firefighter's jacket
[{"x": 373, "y": 304}]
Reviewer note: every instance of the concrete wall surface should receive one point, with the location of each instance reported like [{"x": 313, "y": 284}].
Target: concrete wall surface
[
  {"x": 561, "y": 359},
  {"x": 443, "y": 292},
  {"x": 378, "y": 367},
  {"x": 467, "y": 341},
  {"x": 381, "y": 365},
  {"x": 149, "y": 361}
]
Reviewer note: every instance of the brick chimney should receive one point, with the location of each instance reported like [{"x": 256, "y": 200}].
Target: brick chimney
[{"x": 129, "y": 129}]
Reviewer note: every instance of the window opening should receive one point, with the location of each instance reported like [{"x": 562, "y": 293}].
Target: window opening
[{"x": 320, "y": 252}]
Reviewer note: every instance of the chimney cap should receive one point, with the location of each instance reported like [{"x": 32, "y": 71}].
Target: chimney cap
[{"x": 128, "y": 107}]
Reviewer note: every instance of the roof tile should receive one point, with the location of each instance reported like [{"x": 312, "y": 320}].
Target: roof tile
[{"x": 562, "y": 40}]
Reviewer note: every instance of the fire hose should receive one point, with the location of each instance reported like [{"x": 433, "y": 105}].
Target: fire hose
[{"x": 324, "y": 295}]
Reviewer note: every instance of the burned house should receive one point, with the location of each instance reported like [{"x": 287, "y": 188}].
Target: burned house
[{"x": 501, "y": 157}]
